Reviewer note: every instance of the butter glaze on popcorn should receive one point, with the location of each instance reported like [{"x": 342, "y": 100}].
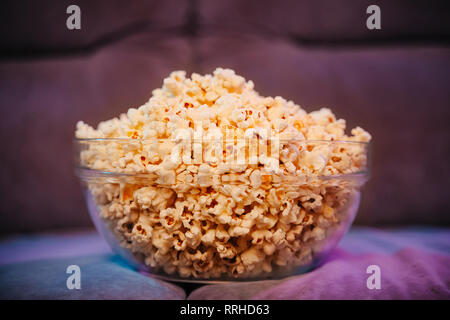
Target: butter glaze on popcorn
[{"x": 216, "y": 220}]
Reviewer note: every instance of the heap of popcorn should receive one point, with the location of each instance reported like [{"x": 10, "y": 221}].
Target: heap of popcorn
[{"x": 223, "y": 182}]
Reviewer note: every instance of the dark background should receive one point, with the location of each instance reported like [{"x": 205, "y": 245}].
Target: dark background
[{"x": 393, "y": 82}]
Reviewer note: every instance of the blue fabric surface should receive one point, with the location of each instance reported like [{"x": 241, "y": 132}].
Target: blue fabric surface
[
  {"x": 390, "y": 240},
  {"x": 414, "y": 261},
  {"x": 101, "y": 277}
]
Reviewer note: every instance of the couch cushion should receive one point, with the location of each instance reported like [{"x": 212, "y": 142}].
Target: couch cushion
[
  {"x": 398, "y": 94},
  {"x": 314, "y": 22},
  {"x": 31, "y": 27},
  {"x": 44, "y": 98}
]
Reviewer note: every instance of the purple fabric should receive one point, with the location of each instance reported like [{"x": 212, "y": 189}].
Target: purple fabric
[
  {"x": 414, "y": 264},
  {"x": 15, "y": 249},
  {"x": 407, "y": 274}
]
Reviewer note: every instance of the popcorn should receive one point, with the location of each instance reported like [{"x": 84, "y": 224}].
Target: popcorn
[
  {"x": 209, "y": 237},
  {"x": 170, "y": 219},
  {"x": 252, "y": 256},
  {"x": 221, "y": 181}
]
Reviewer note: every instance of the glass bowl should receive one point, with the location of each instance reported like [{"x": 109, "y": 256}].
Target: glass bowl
[{"x": 194, "y": 225}]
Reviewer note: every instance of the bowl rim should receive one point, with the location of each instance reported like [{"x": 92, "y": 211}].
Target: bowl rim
[
  {"x": 82, "y": 172},
  {"x": 79, "y": 168},
  {"x": 173, "y": 139}
]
